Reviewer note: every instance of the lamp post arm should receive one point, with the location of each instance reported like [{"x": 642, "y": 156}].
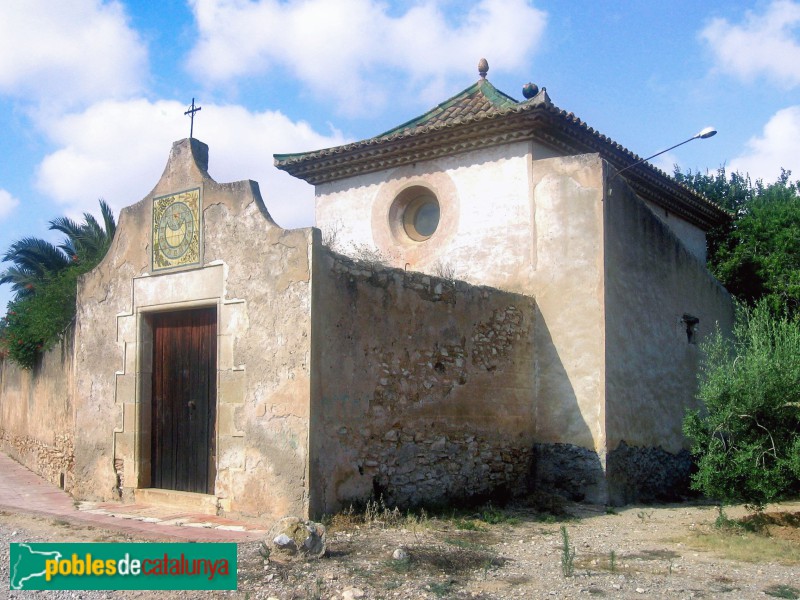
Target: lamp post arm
[
  {"x": 641, "y": 160},
  {"x": 703, "y": 134}
]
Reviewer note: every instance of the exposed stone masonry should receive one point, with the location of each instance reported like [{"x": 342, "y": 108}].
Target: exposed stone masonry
[
  {"x": 647, "y": 474},
  {"x": 412, "y": 468},
  {"x": 493, "y": 340},
  {"x": 53, "y": 462},
  {"x": 570, "y": 471},
  {"x": 414, "y": 444},
  {"x": 418, "y": 377}
]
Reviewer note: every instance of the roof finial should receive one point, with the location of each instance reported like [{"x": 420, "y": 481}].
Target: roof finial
[
  {"x": 529, "y": 90},
  {"x": 483, "y": 67}
]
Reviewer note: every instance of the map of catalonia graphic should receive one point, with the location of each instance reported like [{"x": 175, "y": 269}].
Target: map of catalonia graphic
[{"x": 30, "y": 564}]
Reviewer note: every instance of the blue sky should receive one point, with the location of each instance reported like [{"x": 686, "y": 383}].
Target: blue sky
[{"x": 92, "y": 93}]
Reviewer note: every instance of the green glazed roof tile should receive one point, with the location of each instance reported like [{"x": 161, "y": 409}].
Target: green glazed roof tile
[{"x": 479, "y": 99}]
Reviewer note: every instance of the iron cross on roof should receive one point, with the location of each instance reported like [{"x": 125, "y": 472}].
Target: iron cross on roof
[{"x": 191, "y": 112}]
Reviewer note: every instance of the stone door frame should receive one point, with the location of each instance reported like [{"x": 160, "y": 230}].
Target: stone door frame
[{"x": 177, "y": 291}]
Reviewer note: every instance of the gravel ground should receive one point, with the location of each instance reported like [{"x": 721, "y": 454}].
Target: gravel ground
[{"x": 638, "y": 552}]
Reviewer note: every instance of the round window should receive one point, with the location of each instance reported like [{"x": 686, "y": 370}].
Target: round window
[{"x": 421, "y": 217}]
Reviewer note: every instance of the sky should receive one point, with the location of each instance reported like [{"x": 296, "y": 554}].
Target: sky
[{"x": 93, "y": 92}]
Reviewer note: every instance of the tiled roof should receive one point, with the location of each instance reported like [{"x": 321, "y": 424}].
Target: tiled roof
[
  {"x": 482, "y": 116},
  {"x": 477, "y": 101}
]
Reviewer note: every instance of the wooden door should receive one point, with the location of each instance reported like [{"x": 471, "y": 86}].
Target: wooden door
[{"x": 184, "y": 400}]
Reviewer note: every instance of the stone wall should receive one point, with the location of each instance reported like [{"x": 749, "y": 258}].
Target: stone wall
[
  {"x": 36, "y": 419},
  {"x": 423, "y": 390},
  {"x": 637, "y": 474},
  {"x": 576, "y": 473}
]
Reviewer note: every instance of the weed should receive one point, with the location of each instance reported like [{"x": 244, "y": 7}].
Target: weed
[
  {"x": 546, "y": 532},
  {"x": 655, "y": 555},
  {"x": 330, "y": 235},
  {"x": 567, "y": 554},
  {"x": 610, "y": 510},
  {"x": 315, "y": 593},
  {"x": 400, "y": 566},
  {"x": 263, "y": 551},
  {"x": 612, "y": 562},
  {"x": 723, "y": 521},
  {"x": 358, "y": 571},
  {"x": 441, "y": 589},
  {"x": 376, "y": 512},
  {"x": 373, "y": 257},
  {"x": 546, "y": 518},
  {"x": 495, "y": 516},
  {"x": 644, "y": 515},
  {"x": 444, "y": 269},
  {"x": 487, "y": 564},
  {"x": 342, "y": 521},
  {"x": 468, "y": 525},
  {"x": 480, "y": 552},
  {"x": 783, "y": 591}
]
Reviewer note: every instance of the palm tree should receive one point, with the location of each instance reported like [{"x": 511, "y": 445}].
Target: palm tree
[
  {"x": 35, "y": 260},
  {"x": 87, "y": 242}
]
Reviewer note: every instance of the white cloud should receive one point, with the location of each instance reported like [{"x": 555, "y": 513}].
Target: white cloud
[
  {"x": 7, "y": 204},
  {"x": 763, "y": 44},
  {"x": 64, "y": 52},
  {"x": 117, "y": 151},
  {"x": 347, "y": 50},
  {"x": 777, "y": 147}
]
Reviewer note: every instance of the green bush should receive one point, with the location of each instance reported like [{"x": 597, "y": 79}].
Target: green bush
[
  {"x": 746, "y": 439},
  {"x": 44, "y": 278},
  {"x": 35, "y": 323}
]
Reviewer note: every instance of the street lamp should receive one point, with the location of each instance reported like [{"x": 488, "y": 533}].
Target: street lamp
[{"x": 700, "y": 135}]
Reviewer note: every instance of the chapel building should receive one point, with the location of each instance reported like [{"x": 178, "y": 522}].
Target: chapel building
[{"x": 496, "y": 298}]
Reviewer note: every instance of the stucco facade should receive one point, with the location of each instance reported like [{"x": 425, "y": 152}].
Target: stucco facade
[
  {"x": 258, "y": 278},
  {"x": 37, "y": 426},
  {"x": 530, "y": 202},
  {"x": 541, "y": 331},
  {"x": 612, "y": 280}
]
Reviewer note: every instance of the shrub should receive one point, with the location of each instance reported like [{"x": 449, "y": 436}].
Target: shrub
[
  {"x": 44, "y": 278},
  {"x": 746, "y": 439},
  {"x": 35, "y": 323}
]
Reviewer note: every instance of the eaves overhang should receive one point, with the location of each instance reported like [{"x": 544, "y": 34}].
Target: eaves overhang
[{"x": 536, "y": 119}]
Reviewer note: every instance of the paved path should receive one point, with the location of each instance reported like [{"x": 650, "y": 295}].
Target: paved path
[{"x": 23, "y": 491}]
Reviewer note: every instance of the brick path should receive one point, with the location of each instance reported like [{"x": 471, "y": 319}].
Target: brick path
[{"x": 23, "y": 491}]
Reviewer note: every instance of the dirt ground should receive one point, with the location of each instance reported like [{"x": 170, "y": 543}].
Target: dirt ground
[{"x": 673, "y": 551}]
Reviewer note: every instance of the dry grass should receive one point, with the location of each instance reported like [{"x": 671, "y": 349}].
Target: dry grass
[
  {"x": 768, "y": 537},
  {"x": 747, "y": 547},
  {"x": 646, "y": 561}
]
